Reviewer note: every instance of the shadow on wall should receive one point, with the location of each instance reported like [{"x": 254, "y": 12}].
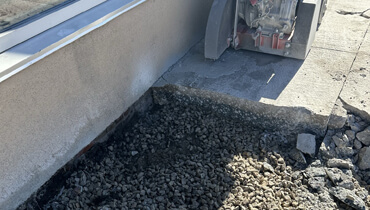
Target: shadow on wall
[{"x": 244, "y": 74}]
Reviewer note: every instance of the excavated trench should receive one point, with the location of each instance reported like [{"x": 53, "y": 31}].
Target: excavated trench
[{"x": 181, "y": 154}]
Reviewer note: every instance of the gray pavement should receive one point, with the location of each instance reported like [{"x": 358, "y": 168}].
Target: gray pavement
[{"x": 337, "y": 65}]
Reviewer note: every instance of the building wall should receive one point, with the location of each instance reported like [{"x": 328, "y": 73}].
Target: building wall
[{"x": 57, "y": 106}]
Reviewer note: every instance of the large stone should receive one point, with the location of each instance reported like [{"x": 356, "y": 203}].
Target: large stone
[
  {"x": 364, "y": 136},
  {"x": 348, "y": 197},
  {"x": 306, "y": 143},
  {"x": 338, "y": 116},
  {"x": 339, "y": 163},
  {"x": 339, "y": 178},
  {"x": 364, "y": 158}
]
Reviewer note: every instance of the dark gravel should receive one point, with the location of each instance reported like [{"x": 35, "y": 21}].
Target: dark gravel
[{"x": 181, "y": 156}]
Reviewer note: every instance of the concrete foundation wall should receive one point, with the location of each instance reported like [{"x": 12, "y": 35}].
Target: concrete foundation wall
[{"x": 57, "y": 106}]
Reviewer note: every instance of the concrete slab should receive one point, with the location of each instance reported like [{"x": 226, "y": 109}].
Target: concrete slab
[
  {"x": 314, "y": 83},
  {"x": 356, "y": 91},
  {"x": 365, "y": 45},
  {"x": 354, "y": 6},
  {"x": 341, "y": 32}
]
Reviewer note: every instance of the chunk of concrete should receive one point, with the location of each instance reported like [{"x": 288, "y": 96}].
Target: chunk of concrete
[
  {"x": 348, "y": 197},
  {"x": 306, "y": 143},
  {"x": 338, "y": 116},
  {"x": 339, "y": 178},
  {"x": 364, "y": 136},
  {"x": 339, "y": 163},
  {"x": 364, "y": 158}
]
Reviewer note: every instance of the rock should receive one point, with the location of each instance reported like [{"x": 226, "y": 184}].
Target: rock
[
  {"x": 316, "y": 163},
  {"x": 364, "y": 136},
  {"x": 364, "y": 158},
  {"x": 350, "y": 134},
  {"x": 268, "y": 167},
  {"x": 351, "y": 119},
  {"x": 338, "y": 116},
  {"x": 306, "y": 143},
  {"x": 357, "y": 144},
  {"x": 338, "y": 163},
  {"x": 348, "y": 184},
  {"x": 348, "y": 197},
  {"x": 345, "y": 152},
  {"x": 355, "y": 127},
  {"x": 133, "y": 153},
  {"x": 334, "y": 174},
  {"x": 353, "y": 123},
  {"x": 339, "y": 178},
  {"x": 315, "y": 172},
  {"x": 355, "y": 158},
  {"x": 324, "y": 196},
  {"x": 298, "y": 156},
  {"x": 327, "y": 147},
  {"x": 316, "y": 183},
  {"x": 316, "y": 177},
  {"x": 340, "y": 141},
  {"x": 362, "y": 193}
]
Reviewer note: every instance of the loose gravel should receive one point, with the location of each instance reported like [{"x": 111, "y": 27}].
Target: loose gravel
[{"x": 181, "y": 156}]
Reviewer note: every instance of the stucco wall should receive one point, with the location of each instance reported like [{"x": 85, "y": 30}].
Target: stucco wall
[{"x": 55, "y": 107}]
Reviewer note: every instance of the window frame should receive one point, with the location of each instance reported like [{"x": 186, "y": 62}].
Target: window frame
[{"x": 30, "y": 28}]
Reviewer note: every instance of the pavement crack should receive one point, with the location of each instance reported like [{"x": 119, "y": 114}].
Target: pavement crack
[
  {"x": 362, "y": 14},
  {"x": 351, "y": 67}
]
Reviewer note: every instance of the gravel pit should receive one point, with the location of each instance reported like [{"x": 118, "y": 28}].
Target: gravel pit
[{"x": 182, "y": 156}]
